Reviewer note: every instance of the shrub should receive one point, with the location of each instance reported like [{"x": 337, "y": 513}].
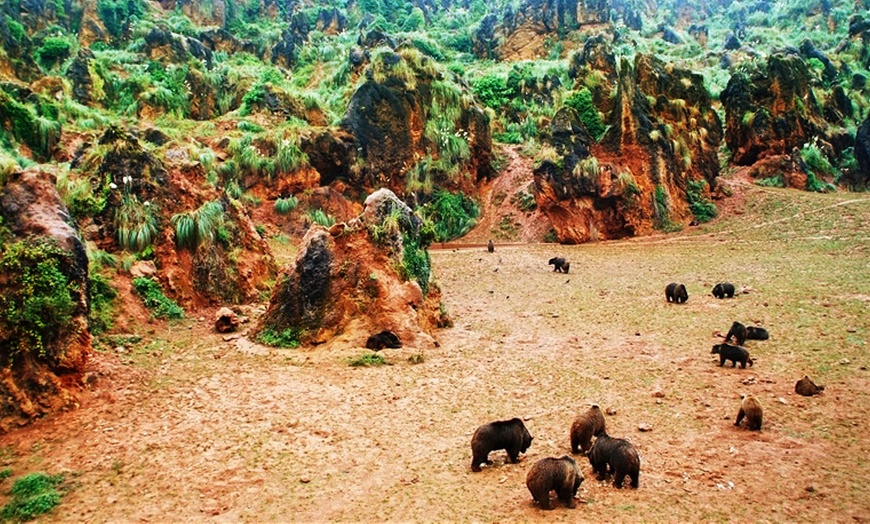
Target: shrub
[
  {"x": 101, "y": 317},
  {"x": 288, "y": 338},
  {"x": 117, "y": 14},
  {"x": 35, "y": 302},
  {"x": 581, "y": 102},
  {"x": 701, "y": 206},
  {"x": 32, "y": 495},
  {"x": 525, "y": 202},
  {"x": 16, "y": 29},
  {"x": 492, "y": 90},
  {"x": 774, "y": 181},
  {"x": 161, "y": 306},
  {"x": 452, "y": 215},
  {"x": 53, "y": 49},
  {"x": 283, "y": 206},
  {"x": 135, "y": 224},
  {"x": 416, "y": 264},
  {"x": 369, "y": 359}
]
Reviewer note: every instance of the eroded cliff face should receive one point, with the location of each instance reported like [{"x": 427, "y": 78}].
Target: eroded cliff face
[
  {"x": 44, "y": 300},
  {"x": 359, "y": 278},
  {"x": 660, "y": 145}
]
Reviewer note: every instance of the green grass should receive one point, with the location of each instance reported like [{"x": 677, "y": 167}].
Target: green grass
[
  {"x": 288, "y": 338},
  {"x": 161, "y": 306},
  {"x": 368, "y": 360},
  {"x": 32, "y": 495}
]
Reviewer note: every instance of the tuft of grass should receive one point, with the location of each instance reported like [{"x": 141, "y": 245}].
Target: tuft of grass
[
  {"x": 318, "y": 216},
  {"x": 135, "y": 224},
  {"x": 199, "y": 227},
  {"x": 283, "y": 206},
  {"x": 367, "y": 360},
  {"x": 32, "y": 495},
  {"x": 288, "y": 338},
  {"x": 161, "y": 306}
]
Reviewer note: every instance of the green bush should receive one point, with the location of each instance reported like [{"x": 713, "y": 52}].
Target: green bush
[
  {"x": 701, "y": 206},
  {"x": 416, "y": 264},
  {"x": 367, "y": 360},
  {"x": 453, "y": 215},
  {"x": 32, "y": 495},
  {"x": 283, "y": 206},
  {"x": 35, "y": 302},
  {"x": 16, "y": 29},
  {"x": 288, "y": 338},
  {"x": 101, "y": 317},
  {"x": 53, "y": 50},
  {"x": 581, "y": 102},
  {"x": 161, "y": 306},
  {"x": 117, "y": 14},
  {"x": 774, "y": 181},
  {"x": 492, "y": 90}
]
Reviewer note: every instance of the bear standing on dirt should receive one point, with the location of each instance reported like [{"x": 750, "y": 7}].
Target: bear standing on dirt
[
  {"x": 676, "y": 293},
  {"x": 585, "y": 426},
  {"x": 554, "y": 474},
  {"x": 490, "y": 246},
  {"x": 733, "y": 353},
  {"x": 509, "y": 435},
  {"x": 723, "y": 289},
  {"x": 751, "y": 409},
  {"x": 738, "y": 333},
  {"x": 620, "y": 455},
  {"x": 559, "y": 264}
]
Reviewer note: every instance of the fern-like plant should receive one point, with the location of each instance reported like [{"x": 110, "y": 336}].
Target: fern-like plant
[
  {"x": 283, "y": 206},
  {"x": 199, "y": 227}
]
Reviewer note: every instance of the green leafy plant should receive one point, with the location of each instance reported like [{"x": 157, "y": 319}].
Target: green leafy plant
[
  {"x": 452, "y": 214},
  {"x": 581, "y": 102},
  {"x": 101, "y": 316},
  {"x": 700, "y": 205},
  {"x": 161, "y": 306},
  {"x": 32, "y": 495},
  {"x": 53, "y": 49},
  {"x": 135, "y": 223},
  {"x": 416, "y": 263},
  {"x": 287, "y": 338},
  {"x": 117, "y": 14},
  {"x": 36, "y": 301},
  {"x": 367, "y": 360},
  {"x": 492, "y": 90}
]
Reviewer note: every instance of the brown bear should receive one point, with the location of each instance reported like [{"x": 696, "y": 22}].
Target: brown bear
[
  {"x": 738, "y": 333},
  {"x": 620, "y": 455},
  {"x": 490, "y": 246},
  {"x": 733, "y": 353},
  {"x": 807, "y": 387},
  {"x": 384, "y": 339},
  {"x": 559, "y": 264},
  {"x": 723, "y": 289},
  {"x": 554, "y": 474},
  {"x": 509, "y": 435},
  {"x": 751, "y": 409},
  {"x": 585, "y": 426},
  {"x": 676, "y": 293}
]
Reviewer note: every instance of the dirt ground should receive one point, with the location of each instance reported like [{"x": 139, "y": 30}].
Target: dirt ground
[{"x": 189, "y": 425}]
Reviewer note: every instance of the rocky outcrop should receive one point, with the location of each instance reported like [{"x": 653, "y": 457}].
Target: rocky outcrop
[
  {"x": 861, "y": 177},
  {"x": 44, "y": 286},
  {"x": 361, "y": 277},
  {"x": 770, "y": 110},
  {"x": 390, "y": 116},
  {"x": 659, "y": 153},
  {"x": 165, "y": 46},
  {"x": 330, "y": 21},
  {"x": 285, "y": 52}
]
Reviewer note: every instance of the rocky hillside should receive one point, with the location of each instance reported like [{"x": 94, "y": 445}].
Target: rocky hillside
[{"x": 179, "y": 140}]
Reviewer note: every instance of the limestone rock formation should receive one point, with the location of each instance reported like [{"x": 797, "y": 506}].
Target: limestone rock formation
[
  {"x": 392, "y": 117},
  {"x": 364, "y": 276},
  {"x": 44, "y": 286},
  {"x": 770, "y": 110},
  {"x": 658, "y": 154}
]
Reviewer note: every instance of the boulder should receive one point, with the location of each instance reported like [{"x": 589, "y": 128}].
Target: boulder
[
  {"x": 226, "y": 320},
  {"x": 44, "y": 301},
  {"x": 370, "y": 275}
]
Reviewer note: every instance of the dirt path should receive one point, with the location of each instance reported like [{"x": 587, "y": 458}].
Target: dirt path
[
  {"x": 188, "y": 425},
  {"x": 502, "y": 218}
]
